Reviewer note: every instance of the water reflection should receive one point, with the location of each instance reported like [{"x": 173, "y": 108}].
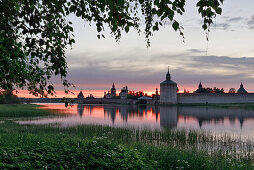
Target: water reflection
[
  {"x": 168, "y": 117},
  {"x": 80, "y": 109},
  {"x": 210, "y": 115},
  {"x": 234, "y": 121}
]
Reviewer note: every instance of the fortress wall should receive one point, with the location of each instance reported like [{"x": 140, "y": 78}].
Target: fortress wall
[{"x": 215, "y": 98}]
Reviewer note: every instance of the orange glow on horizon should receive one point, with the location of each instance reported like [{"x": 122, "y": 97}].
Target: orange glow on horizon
[
  {"x": 146, "y": 88},
  {"x": 61, "y": 94}
]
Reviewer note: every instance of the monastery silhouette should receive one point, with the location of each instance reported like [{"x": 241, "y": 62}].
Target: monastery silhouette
[{"x": 169, "y": 95}]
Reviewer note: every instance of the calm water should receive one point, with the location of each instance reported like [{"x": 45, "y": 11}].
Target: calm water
[{"x": 238, "y": 122}]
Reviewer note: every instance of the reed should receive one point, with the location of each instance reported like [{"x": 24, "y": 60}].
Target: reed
[{"x": 102, "y": 147}]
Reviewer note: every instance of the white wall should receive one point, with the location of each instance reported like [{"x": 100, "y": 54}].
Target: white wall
[
  {"x": 215, "y": 98},
  {"x": 168, "y": 94}
]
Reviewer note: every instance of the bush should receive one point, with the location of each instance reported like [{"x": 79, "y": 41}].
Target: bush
[
  {"x": 7, "y": 97},
  {"x": 71, "y": 153}
]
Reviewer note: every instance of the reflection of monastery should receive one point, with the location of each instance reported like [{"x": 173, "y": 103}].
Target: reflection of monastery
[
  {"x": 169, "y": 95},
  {"x": 169, "y": 116}
]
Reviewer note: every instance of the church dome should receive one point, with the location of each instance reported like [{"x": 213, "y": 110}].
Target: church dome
[
  {"x": 241, "y": 89},
  {"x": 80, "y": 94},
  {"x": 200, "y": 86},
  {"x": 113, "y": 87},
  {"x": 168, "y": 80}
]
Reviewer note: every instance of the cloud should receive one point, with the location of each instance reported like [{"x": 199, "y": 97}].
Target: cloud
[
  {"x": 99, "y": 70},
  {"x": 225, "y": 60},
  {"x": 215, "y": 66},
  {"x": 235, "y": 19},
  {"x": 251, "y": 22},
  {"x": 223, "y": 26},
  {"x": 196, "y": 51},
  {"x": 229, "y": 23}
]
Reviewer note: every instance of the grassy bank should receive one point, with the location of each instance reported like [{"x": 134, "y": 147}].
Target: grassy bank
[
  {"x": 91, "y": 146},
  {"x": 21, "y": 110}
]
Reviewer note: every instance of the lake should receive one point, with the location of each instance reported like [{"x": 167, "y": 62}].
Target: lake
[{"x": 234, "y": 122}]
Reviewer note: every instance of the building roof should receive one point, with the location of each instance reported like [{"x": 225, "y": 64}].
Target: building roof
[
  {"x": 168, "y": 82},
  {"x": 200, "y": 86},
  {"x": 144, "y": 98},
  {"x": 80, "y": 94},
  {"x": 113, "y": 87},
  {"x": 168, "y": 79},
  {"x": 241, "y": 89}
]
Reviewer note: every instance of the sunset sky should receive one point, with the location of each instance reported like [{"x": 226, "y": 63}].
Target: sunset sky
[{"x": 94, "y": 64}]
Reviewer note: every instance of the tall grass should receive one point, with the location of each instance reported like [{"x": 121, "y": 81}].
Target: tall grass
[
  {"x": 21, "y": 110},
  {"x": 27, "y": 111},
  {"x": 211, "y": 144},
  {"x": 92, "y": 146},
  {"x": 103, "y": 147}
]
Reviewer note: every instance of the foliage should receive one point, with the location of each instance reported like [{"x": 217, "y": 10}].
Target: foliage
[
  {"x": 102, "y": 147},
  {"x": 232, "y": 90},
  {"x": 209, "y": 90},
  {"x": 98, "y": 147},
  {"x": 64, "y": 152},
  {"x": 7, "y": 97},
  {"x": 22, "y": 110},
  {"x": 135, "y": 95},
  {"x": 35, "y": 34}
]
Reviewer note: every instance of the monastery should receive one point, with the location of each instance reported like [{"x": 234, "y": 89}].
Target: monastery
[{"x": 169, "y": 95}]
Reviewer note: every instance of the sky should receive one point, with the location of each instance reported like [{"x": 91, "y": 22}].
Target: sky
[{"x": 224, "y": 61}]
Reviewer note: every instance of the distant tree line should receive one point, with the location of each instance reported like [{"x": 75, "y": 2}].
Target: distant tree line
[
  {"x": 232, "y": 90},
  {"x": 209, "y": 90},
  {"x": 136, "y": 95}
]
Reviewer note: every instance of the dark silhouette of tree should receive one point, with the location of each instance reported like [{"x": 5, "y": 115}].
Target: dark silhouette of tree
[
  {"x": 217, "y": 90},
  {"x": 186, "y": 91},
  {"x": 139, "y": 94},
  {"x": 35, "y": 34},
  {"x": 209, "y": 90},
  {"x": 135, "y": 95},
  {"x": 232, "y": 90},
  {"x": 8, "y": 97}
]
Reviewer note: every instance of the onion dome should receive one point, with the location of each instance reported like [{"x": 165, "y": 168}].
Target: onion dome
[
  {"x": 80, "y": 94},
  {"x": 113, "y": 87},
  {"x": 200, "y": 86},
  {"x": 168, "y": 79},
  {"x": 241, "y": 89}
]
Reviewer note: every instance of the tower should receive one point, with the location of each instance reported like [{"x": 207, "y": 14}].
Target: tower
[
  {"x": 200, "y": 87},
  {"x": 80, "y": 98},
  {"x": 241, "y": 89},
  {"x": 113, "y": 90},
  {"x": 124, "y": 92},
  {"x": 156, "y": 96},
  {"x": 168, "y": 91}
]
